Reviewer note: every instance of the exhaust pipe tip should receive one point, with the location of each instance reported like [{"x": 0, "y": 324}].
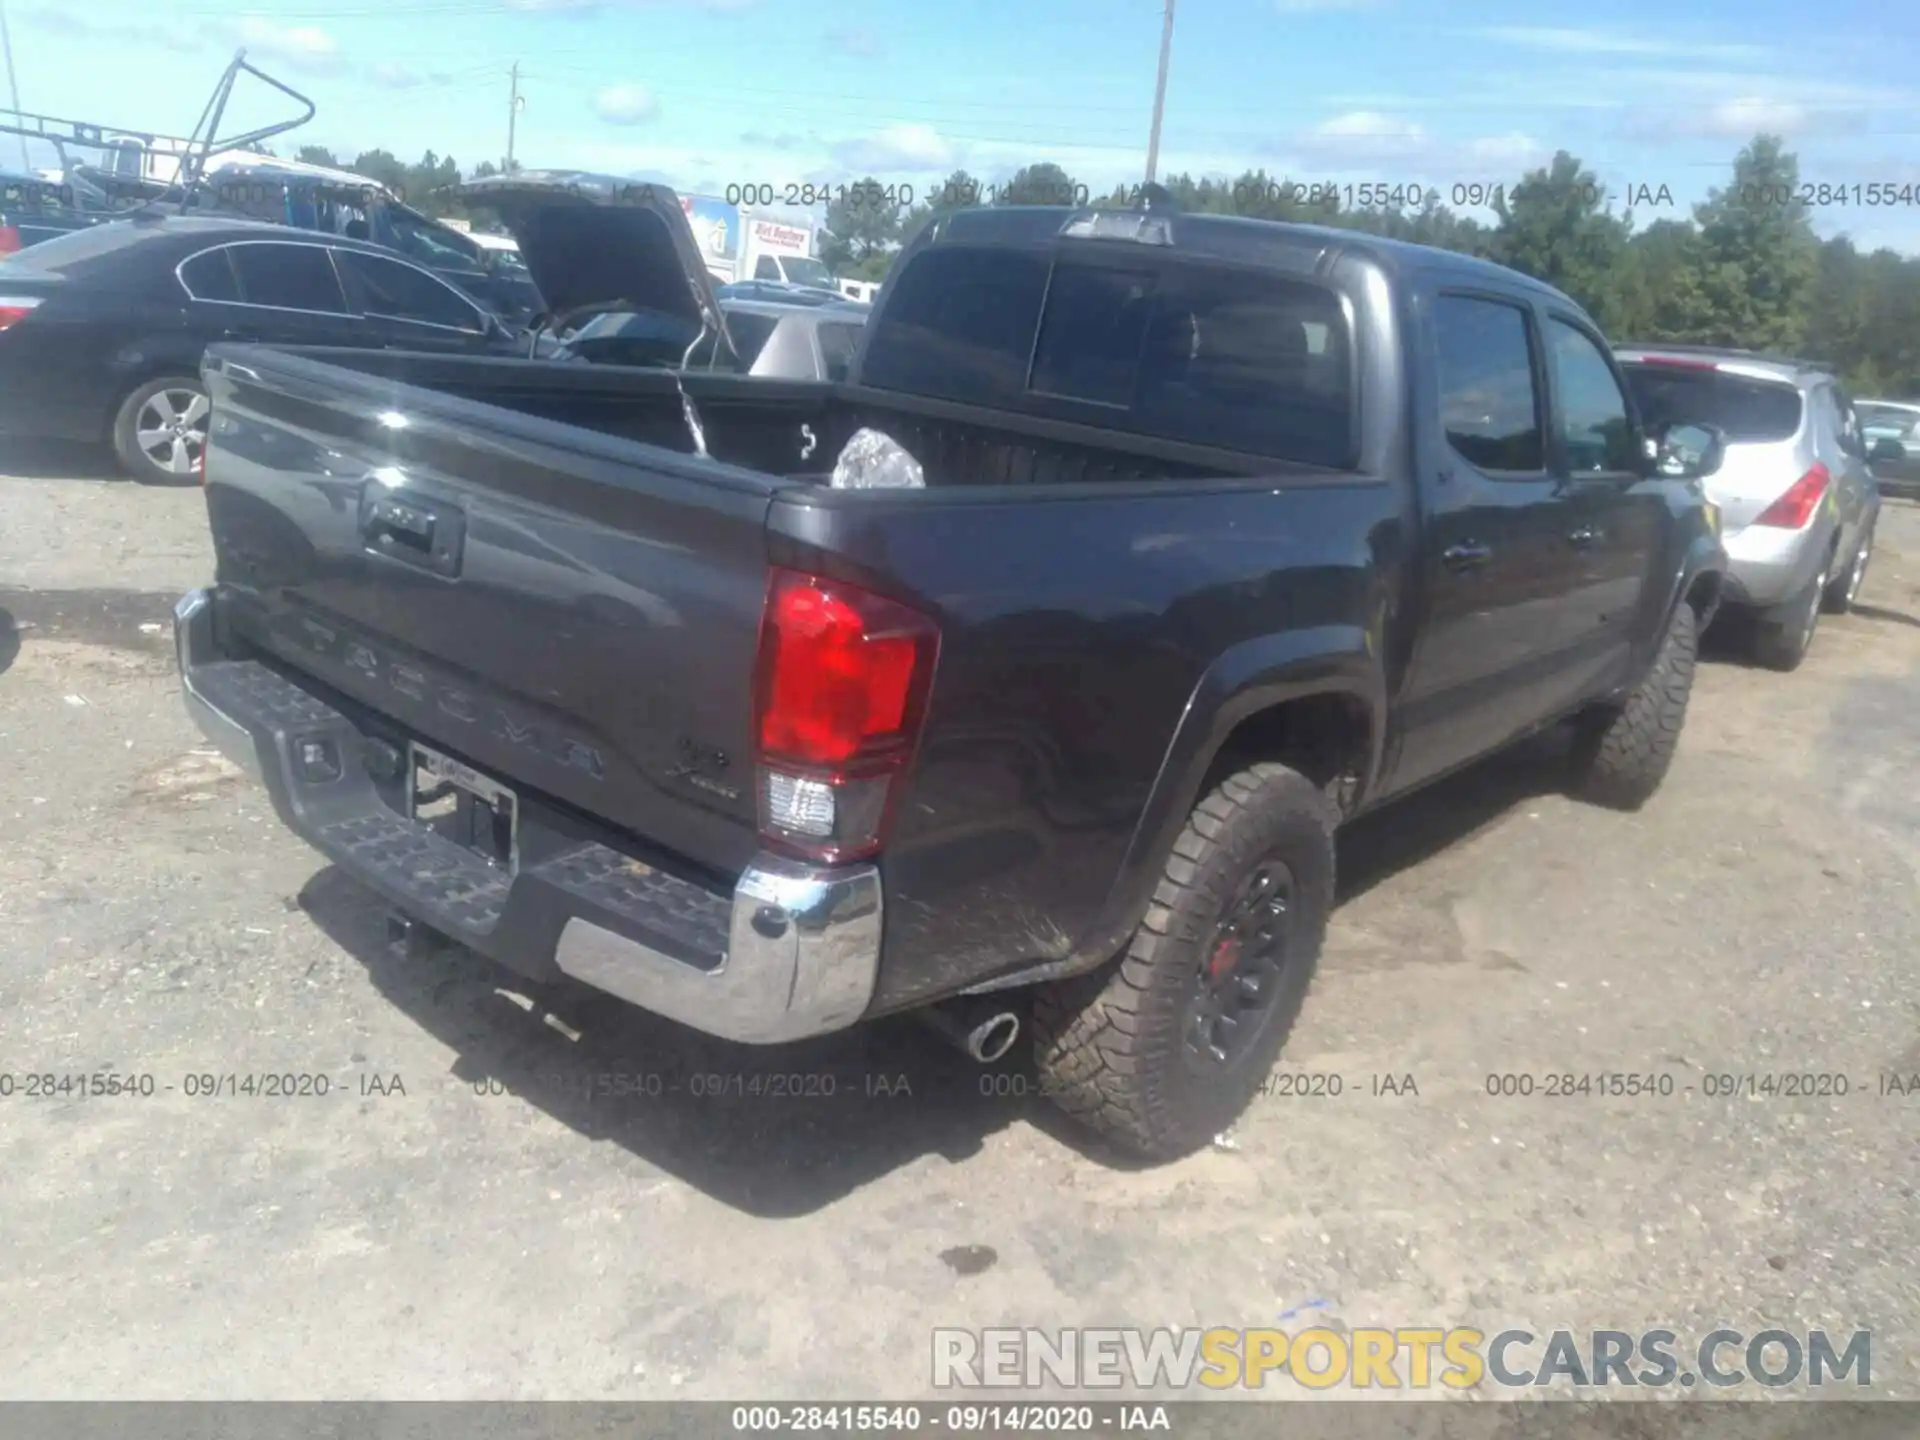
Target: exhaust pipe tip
[
  {"x": 979, "y": 1028},
  {"x": 992, "y": 1039}
]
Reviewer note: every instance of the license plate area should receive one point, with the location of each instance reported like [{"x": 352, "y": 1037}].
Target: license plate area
[{"x": 458, "y": 803}]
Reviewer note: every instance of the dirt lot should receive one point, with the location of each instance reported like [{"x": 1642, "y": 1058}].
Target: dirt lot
[{"x": 461, "y": 1216}]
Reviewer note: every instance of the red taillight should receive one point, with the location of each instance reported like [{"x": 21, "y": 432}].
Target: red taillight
[
  {"x": 1673, "y": 364},
  {"x": 9, "y": 239},
  {"x": 1795, "y": 508},
  {"x": 14, "y": 309},
  {"x": 840, "y": 688}
]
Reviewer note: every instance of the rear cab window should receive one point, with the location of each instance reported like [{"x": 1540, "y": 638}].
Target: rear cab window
[
  {"x": 1158, "y": 346},
  {"x": 1747, "y": 410}
]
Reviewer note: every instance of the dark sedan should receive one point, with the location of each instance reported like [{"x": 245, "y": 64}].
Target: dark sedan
[{"x": 101, "y": 331}]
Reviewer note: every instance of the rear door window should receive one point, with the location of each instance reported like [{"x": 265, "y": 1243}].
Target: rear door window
[
  {"x": 209, "y": 276},
  {"x": 395, "y": 291},
  {"x": 288, "y": 277},
  {"x": 1489, "y": 401},
  {"x": 1746, "y": 410}
]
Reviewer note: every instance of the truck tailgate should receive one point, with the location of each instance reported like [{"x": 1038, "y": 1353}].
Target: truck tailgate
[{"x": 574, "y": 613}]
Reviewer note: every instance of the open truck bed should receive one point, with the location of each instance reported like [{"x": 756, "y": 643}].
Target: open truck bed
[{"x": 567, "y": 595}]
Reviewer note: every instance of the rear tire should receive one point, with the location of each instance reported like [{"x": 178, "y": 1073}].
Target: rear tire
[
  {"x": 1844, "y": 593},
  {"x": 1161, "y": 1050},
  {"x": 160, "y": 431},
  {"x": 1622, "y": 755},
  {"x": 1784, "y": 635}
]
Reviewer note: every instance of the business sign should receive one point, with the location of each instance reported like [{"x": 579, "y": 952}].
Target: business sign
[
  {"x": 772, "y": 238},
  {"x": 716, "y": 225}
]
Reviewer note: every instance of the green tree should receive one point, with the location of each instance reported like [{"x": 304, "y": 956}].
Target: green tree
[
  {"x": 1758, "y": 254},
  {"x": 381, "y": 167},
  {"x": 862, "y": 225},
  {"x": 1659, "y": 286},
  {"x": 1554, "y": 226},
  {"x": 317, "y": 155},
  {"x": 1042, "y": 184},
  {"x": 958, "y": 191}
]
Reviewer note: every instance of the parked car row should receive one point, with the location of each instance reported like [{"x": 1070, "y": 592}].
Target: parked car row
[
  {"x": 102, "y": 331},
  {"x": 1797, "y": 496}
]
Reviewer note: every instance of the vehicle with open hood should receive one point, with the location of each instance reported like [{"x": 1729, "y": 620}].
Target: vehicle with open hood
[
  {"x": 596, "y": 243},
  {"x": 1209, "y": 534}
]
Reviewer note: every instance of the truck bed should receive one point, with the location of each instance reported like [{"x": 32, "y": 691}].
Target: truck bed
[
  {"x": 595, "y": 647},
  {"x": 756, "y": 423}
]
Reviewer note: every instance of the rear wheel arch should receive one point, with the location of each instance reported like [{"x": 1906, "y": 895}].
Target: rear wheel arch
[
  {"x": 1318, "y": 708},
  {"x": 1325, "y": 735}
]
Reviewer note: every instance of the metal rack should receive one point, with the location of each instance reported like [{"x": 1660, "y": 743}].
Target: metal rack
[{"x": 183, "y": 158}]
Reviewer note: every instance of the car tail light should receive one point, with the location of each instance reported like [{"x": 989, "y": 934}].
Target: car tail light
[
  {"x": 9, "y": 240},
  {"x": 15, "y": 308},
  {"x": 840, "y": 690},
  {"x": 1674, "y": 364},
  {"x": 1795, "y": 508}
]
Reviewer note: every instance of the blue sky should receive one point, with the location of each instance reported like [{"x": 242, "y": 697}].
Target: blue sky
[{"x": 707, "y": 93}]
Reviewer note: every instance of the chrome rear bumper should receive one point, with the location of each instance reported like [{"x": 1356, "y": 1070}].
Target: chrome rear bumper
[{"x": 792, "y": 951}]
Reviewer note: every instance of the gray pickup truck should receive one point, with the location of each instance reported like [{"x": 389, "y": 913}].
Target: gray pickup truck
[{"x": 1230, "y": 531}]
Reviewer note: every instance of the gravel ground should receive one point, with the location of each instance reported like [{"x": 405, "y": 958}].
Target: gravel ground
[{"x": 461, "y": 1217}]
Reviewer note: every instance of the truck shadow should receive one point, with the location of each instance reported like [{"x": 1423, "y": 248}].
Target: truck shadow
[
  {"x": 9, "y": 639},
  {"x": 1449, "y": 812},
  {"x": 772, "y": 1131},
  {"x": 786, "y": 1130}
]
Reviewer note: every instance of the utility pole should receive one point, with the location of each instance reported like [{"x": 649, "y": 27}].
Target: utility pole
[
  {"x": 1160, "y": 94},
  {"x": 515, "y": 104},
  {"x": 13, "y": 85}
]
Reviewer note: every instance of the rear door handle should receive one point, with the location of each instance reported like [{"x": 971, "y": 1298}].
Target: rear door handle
[
  {"x": 1584, "y": 537},
  {"x": 1467, "y": 555}
]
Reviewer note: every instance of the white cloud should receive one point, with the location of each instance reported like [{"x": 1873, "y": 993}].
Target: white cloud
[
  {"x": 897, "y": 148},
  {"x": 303, "y": 47},
  {"x": 1743, "y": 119},
  {"x": 1580, "y": 40},
  {"x": 1358, "y": 137},
  {"x": 626, "y": 105},
  {"x": 1511, "y": 151}
]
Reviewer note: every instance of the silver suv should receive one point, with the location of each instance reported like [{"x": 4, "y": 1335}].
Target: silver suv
[{"x": 1797, "y": 501}]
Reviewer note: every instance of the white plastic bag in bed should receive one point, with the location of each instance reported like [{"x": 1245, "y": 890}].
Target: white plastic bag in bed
[{"x": 874, "y": 461}]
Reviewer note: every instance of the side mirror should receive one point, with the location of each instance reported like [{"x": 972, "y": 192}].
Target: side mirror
[
  {"x": 1688, "y": 452},
  {"x": 1887, "y": 448}
]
